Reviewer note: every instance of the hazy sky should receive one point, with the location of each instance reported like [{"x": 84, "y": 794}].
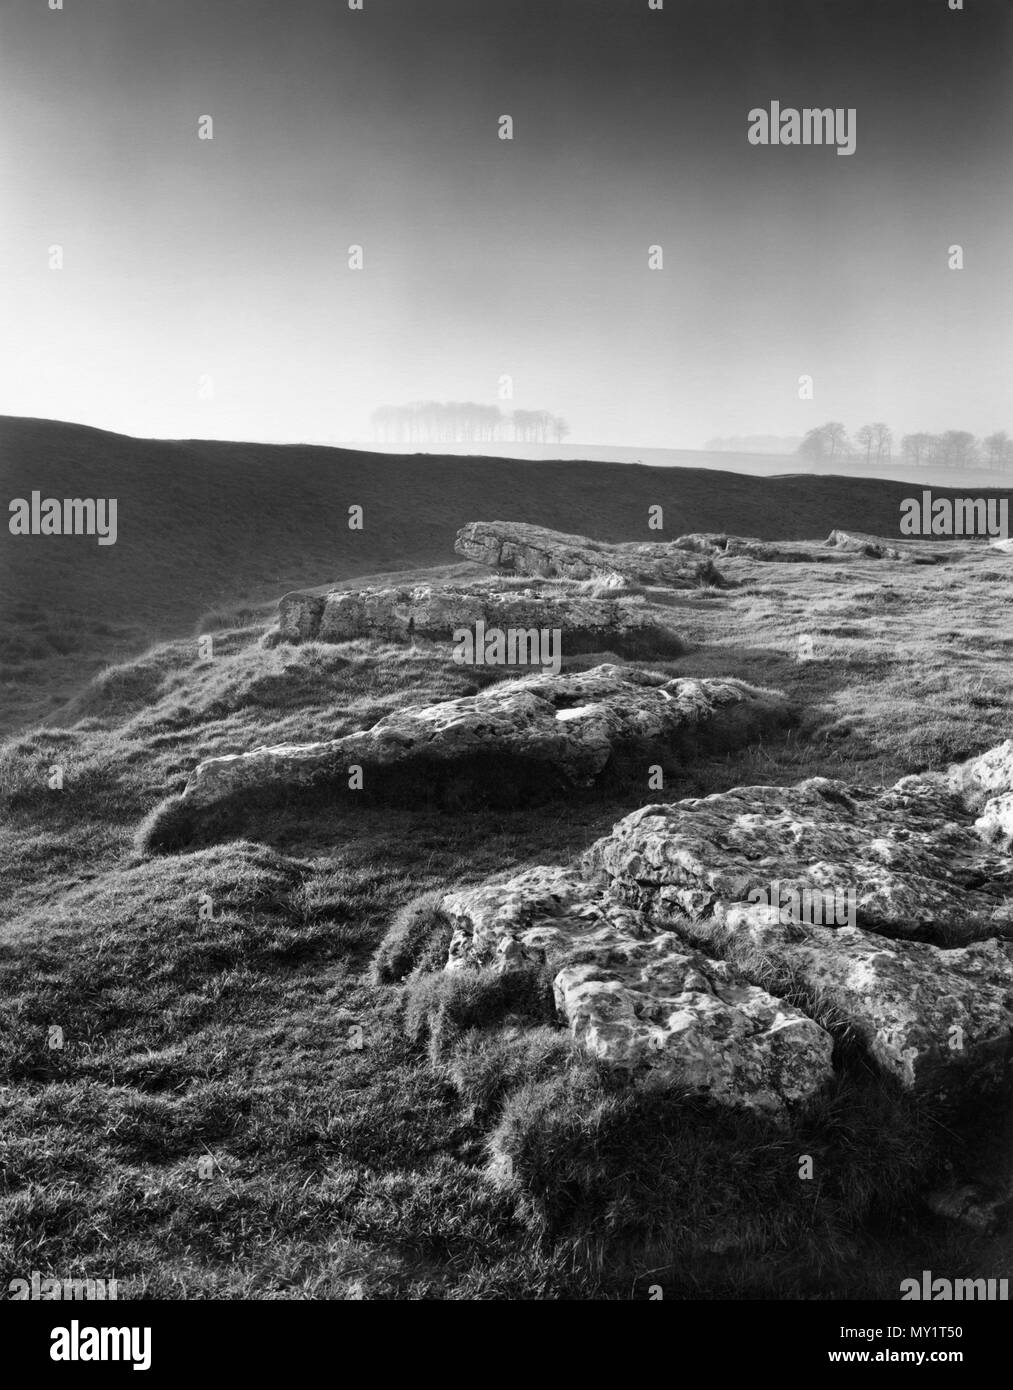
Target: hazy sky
[{"x": 227, "y": 258}]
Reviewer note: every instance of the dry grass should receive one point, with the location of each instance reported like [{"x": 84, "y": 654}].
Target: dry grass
[{"x": 349, "y": 1154}]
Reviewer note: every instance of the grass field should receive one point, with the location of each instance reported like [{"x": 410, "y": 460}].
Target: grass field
[
  {"x": 206, "y": 526},
  {"x": 250, "y": 1101}
]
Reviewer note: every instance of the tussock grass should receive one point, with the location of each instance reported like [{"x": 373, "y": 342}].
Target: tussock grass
[
  {"x": 487, "y": 1065},
  {"x": 417, "y": 938},
  {"x": 637, "y": 1178},
  {"x": 442, "y": 1006},
  {"x": 228, "y": 619}
]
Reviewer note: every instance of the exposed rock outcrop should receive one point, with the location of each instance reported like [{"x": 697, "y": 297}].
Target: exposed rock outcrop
[
  {"x": 639, "y": 999},
  {"x": 876, "y": 548},
  {"x": 983, "y": 785},
  {"x": 721, "y": 546},
  {"x": 910, "y": 856},
  {"x": 995, "y": 824},
  {"x": 548, "y": 732},
  {"x": 717, "y": 543},
  {"x": 524, "y": 549},
  {"x": 625, "y": 625},
  {"x": 858, "y": 543},
  {"x": 724, "y": 876},
  {"x": 915, "y": 864}
]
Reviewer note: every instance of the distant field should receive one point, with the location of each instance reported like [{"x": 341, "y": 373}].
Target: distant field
[{"x": 754, "y": 465}]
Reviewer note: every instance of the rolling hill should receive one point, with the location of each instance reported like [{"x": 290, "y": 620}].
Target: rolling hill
[{"x": 205, "y": 523}]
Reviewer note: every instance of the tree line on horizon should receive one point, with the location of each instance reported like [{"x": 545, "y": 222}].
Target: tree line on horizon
[
  {"x": 463, "y": 422},
  {"x": 875, "y": 442}
]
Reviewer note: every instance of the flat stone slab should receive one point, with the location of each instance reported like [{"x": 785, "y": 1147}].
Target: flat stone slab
[
  {"x": 627, "y": 626},
  {"x": 731, "y": 872},
  {"x": 877, "y": 548},
  {"x": 686, "y": 562},
  {"x": 642, "y": 1001},
  {"x": 718, "y": 544},
  {"x": 917, "y": 1009},
  {"x": 907, "y": 861},
  {"x": 638, "y": 933},
  {"x": 837, "y": 545},
  {"x": 557, "y": 730},
  {"x": 524, "y": 549}
]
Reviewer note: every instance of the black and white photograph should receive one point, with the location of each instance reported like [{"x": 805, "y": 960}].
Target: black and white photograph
[{"x": 506, "y": 635}]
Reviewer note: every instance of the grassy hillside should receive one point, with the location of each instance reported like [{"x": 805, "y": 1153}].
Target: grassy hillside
[
  {"x": 242, "y": 1106},
  {"x": 203, "y": 524}
]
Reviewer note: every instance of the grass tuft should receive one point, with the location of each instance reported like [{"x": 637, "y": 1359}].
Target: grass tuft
[
  {"x": 441, "y": 1007},
  {"x": 417, "y": 938}
]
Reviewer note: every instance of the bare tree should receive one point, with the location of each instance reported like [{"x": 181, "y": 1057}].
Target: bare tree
[
  {"x": 865, "y": 438},
  {"x": 524, "y": 425},
  {"x": 825, "y": 441},
  {"x": 916, "y": 448},
  {"x": 837, "y": 437},
  {"x": 815, "y": 445},
  {"x": 445, "y": 422},
  {"x": 998, "y": 449},
  {"x": 954, "y": 449},
  {"x": 882, "y": 439}
]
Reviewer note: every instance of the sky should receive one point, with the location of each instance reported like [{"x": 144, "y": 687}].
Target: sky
[{"x": 205, "y": 288}]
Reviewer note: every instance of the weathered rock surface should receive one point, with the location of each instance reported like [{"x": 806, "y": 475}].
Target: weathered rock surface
[
  {"x": 916, "y": 1008},
  {"x": 876, "y": 548},
  {"x": 535, "y": 550},
  {"x": 983, "y": 784},
  {"x": 641, "y": 1000},
  {"x": 716, "y": 875},
  {"x": 916, "y": 864},
  {"x": 552, "y": 731},
  {"x": 721, "y": 546},
  {"x": 627, "y": 626},
  {"x": 975, "y": 780},
  {"x": 995, "y": 824},
  {"x": 910, "y": 855},
  {"x": 717, "y": 543}
]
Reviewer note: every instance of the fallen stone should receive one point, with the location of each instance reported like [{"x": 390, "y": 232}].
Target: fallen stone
[
  {"x": 717, "y": 543},
  {"x": 542, "y": 733},
  {"x": 908, "y": 860},
  {"x": 625, "y": 625},
  {"x": 729, "y": 872},
  {"x": 876, "y": 548},
  {"x": 918, "y": 1010},
  {"x": 639, "y": 1000},
  {"x": 535, "y": 550},
  {"x": 724, "y": 878}
]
